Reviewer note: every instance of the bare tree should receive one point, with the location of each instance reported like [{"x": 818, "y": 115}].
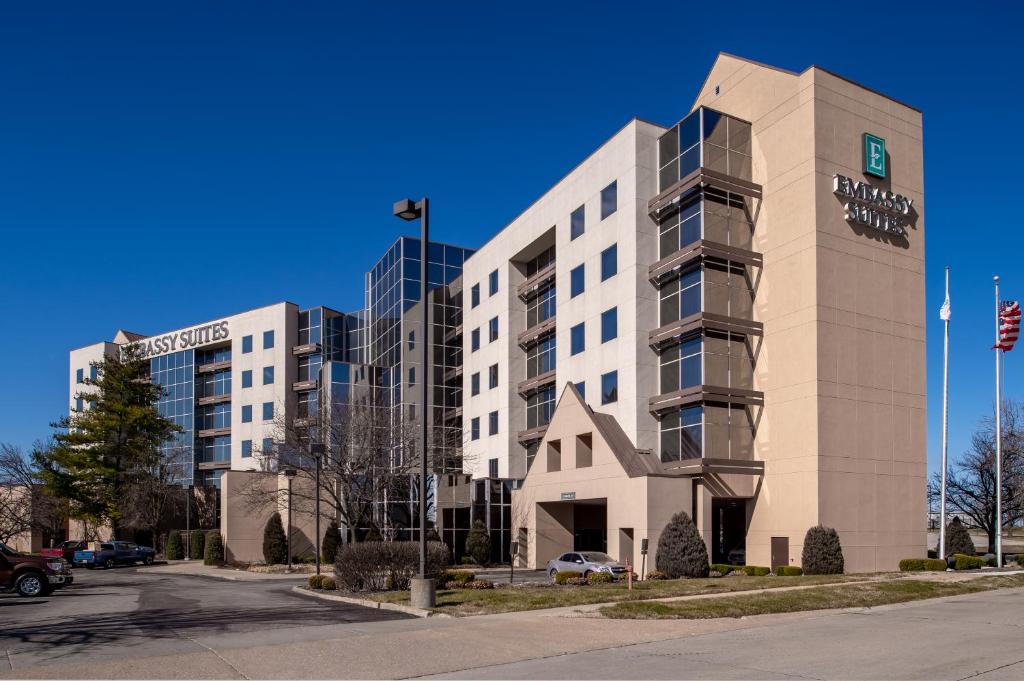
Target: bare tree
[
  {"x": 971, "y": 481},
  {"x": 154, "y": 495},
  {"x": 368, "y": 466},
  {"x": 24, "y": 504}
]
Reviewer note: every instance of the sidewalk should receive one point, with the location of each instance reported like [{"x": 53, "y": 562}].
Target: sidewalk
[{"x": 196, "y": 568}]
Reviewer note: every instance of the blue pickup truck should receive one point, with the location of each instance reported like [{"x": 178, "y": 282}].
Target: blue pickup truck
[{"x": 113, "y": 553}]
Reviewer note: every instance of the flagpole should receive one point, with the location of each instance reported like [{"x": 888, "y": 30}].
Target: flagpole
[
  {"x": 945, "y": 314},
  {"x": 999, "y": 444}
]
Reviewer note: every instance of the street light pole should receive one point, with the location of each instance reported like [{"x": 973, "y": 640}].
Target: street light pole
[
  {"x": 318, "y": 452},
  {"x": 423, "y": 590},
  {"x": 188, "y": 522},
  {"x": 290, "y": 474}
]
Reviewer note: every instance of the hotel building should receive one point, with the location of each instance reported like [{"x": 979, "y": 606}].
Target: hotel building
[{"x": 723, "y": 316}]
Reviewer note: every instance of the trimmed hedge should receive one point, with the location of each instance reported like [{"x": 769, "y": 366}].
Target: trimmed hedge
[
  {"x": 958, "y": 539},
  {"x": 964, "y": 562},
  {"x": 788, "y": 571},
  {"x": 756, "y": 570},
  {"x": 822, "y": 554},
  {"x": 922, "y": 565},
  {"x": 478, "y": 543},
  {"x": 656, "y": 575},
  {"x": 175, "y": 550},
  {"x": 681, "y": 550},
  {"x": 325, "y": 582},
  {"x": 722, "y": 568},
  {"x": 315, "y": 581},
  {"x": 600, "y": 578},
  {"x": 384, "y": 566},
  {"x": 197, "y": 544},
  {"x": 214, "y": 553},
  {"x": 563, "y": 576}
]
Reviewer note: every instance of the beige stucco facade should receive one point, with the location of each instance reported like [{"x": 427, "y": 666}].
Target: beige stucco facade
[{"x": 841, "y": 437}]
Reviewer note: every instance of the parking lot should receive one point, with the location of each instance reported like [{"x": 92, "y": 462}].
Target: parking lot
[{"x": 134, "y": 612}]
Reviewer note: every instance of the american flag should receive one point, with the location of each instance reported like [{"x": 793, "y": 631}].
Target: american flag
[{"x": 1009, "y": 325}]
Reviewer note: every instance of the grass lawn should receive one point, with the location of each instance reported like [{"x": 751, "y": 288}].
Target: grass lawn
[
  {"x": 464, "y": 602},
  {"x": 824, "y": 598}
]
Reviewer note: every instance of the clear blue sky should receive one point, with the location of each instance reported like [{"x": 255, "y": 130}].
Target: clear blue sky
[{"x": 163, "y": 163}]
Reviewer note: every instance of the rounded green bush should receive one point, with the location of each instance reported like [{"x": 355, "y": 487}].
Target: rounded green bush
[
  {"x": 327, "y": 583},
  {"x": 681, "y": 550},
  {"x": 600, "y": 578},
  {"x": 965, "y": 562},
  {"x": 912, "y": 565},
  {"x": 935, "y": 565},
  {"x": 316, "y": 581},
  {"x": 822, "y": 554},
  {"x": 788, "y": 571},
  {"x": 175, "y": 550},
  {"x": 197, "y": 544},
  {"x": 722, "y": 568},
  {"x": 656, "y": 575},
  {"x": 214, "y": 554}
]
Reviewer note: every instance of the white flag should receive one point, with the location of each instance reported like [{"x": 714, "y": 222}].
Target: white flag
[{"x": 944, "y": 311}]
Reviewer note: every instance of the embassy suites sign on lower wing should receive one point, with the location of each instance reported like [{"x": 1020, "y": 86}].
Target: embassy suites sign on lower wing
[
  {"x": 185, "y": 339},
  {"x": 868, "y": 205}
]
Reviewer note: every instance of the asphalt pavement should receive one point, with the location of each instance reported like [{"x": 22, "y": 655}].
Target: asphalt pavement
[
  {"x": 138, "y": 623},
  {"x": 110, "y": 615}
]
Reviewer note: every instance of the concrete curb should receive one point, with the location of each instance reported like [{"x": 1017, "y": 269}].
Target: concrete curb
[{"x": 407, "y": 609}]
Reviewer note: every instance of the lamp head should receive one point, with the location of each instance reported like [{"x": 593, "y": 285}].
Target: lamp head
[
  {"x": 290, "y": 472},
  {"x": 407, "y": 209}
]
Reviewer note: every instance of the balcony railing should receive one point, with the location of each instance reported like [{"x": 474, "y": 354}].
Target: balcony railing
[{"x": 534, "y": 282}]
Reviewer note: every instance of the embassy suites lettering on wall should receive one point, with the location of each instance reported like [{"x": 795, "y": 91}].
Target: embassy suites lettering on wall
[
  {"x": 182, "y": 340},
  {"x": 868, "y": 205}
]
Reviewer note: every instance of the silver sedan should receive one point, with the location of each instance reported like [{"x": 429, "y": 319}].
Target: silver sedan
[{"x": 586, "y": 562}]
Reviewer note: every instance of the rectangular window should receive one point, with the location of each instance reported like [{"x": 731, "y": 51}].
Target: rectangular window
[
  {"x": 609, "y": 324},
  {"x": 492, "y": 423},
  {"x": 610, "y": 387},
  {"x": 246, "y": 344},
  {"x": 474, "y": 295},
  {"x": 474, "y": 428},
  {"x": 78, "y": 404},
  {"x": 576, "y": 281},
  {"x": 268, "y": 339},
  {"x": 268, "y": 446},
  {"x": 492, "y": 468},
  {"x": 246, "y": 449},
  {"x": 474, "y": 340},
  {"x": 609, "y": 200},
  {"x": 412, "y": 341},
  {"x": 492, "y": 282},
  {"x": 79, "y": 375},
  {"x": 577, "y": 339},
  {"x": 581, "y": 388},
  {"x": 577, "y": 223},
  {"x": 609, "y": 262},
  {"x": 492, "y": 330},
  {"x": 268, "y": 375},
  {"x": 474, "y": 384},
  {"x": 412, "y": 376},
  {"x": 541, "y": 357},
  {"x": 246, "y": 413},
  {"x": 268, "y": 411},
  {"x": 93, "y": 371},
  {"x": 247, "y": 378},
  {"x": 492, "y": 377}
]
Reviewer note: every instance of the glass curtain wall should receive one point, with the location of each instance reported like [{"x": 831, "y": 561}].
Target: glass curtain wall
[{"x": 175, "y": 373}]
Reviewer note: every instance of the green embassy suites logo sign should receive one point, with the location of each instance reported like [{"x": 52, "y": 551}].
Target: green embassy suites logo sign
[{"x": 874, "y": 155}]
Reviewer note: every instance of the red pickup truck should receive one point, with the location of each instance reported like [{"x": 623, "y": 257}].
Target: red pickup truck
[
  {"x": 32, "y": 575},
  {"x": 65, "y": 550}
]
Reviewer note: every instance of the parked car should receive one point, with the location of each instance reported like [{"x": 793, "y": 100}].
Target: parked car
[
  {"x": 110, "y": 554},
  {"x": 65, "y": 550},
  {"x": 586, "y": 562},
  {"x": 31, "y": 575}
]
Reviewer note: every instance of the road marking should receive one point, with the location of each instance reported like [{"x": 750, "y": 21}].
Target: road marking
[{"x": 9, "y": 660}]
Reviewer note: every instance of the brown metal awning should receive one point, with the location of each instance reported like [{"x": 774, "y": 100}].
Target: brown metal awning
[
  {"x": 302, "y": 386},
  {"x": 213, "y": 399},
  {"x": 713, "y": 466},
  {"x": 536, "y": 383},
  {"x": 697, "y": 251},
  {"x": 532, "y": 284},
  {"x": 704, "y": 393},
  {"x": 536, "y": 332},
  {"x": 214, "y": 432},
  {"x": 702, "y": 177},
  {"x": 665, "y": 335},
  {"x": 307, "y": 349},
  {"x": 213, "y": 366},
  {"x": 532, "y": 435}
]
